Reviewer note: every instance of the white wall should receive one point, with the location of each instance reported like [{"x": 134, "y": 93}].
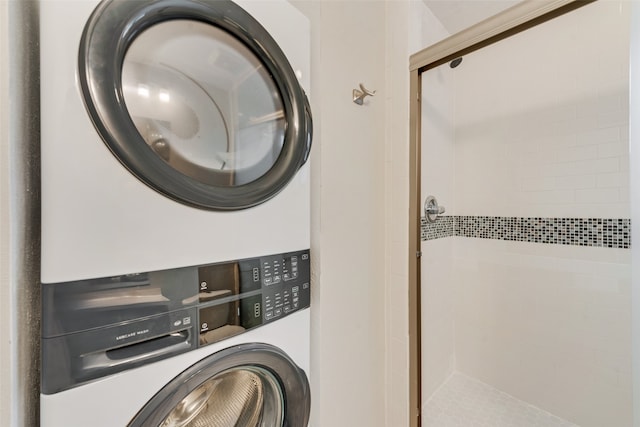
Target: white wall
[
  {"x": 359, "y": 234},
  {"x": 410, "y": 27},
  {"x": 348, "y": 309},
  {"x": 396, "y": 209},
  {"x": 634, "y": 154}
]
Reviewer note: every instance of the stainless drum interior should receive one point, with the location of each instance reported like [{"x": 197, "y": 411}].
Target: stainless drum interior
[{"x": 243, "y": 396}]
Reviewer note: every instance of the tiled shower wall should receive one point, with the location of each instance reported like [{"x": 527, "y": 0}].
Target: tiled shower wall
[
  {"x": 541, "y": 120},
  {"x": 526, "y": 145}
]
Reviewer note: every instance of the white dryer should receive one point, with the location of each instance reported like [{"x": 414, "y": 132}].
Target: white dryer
[
  {"x": 174, "y": 133},
  {"x": 175, "y": 213}
]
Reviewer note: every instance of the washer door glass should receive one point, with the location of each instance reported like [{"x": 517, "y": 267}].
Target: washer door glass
[
  {"x": 247, "y": 385},
  {"x": 196, "y": 99},
  {"x": 203, "y": 102},
  {"x": 246, "y": 396}
]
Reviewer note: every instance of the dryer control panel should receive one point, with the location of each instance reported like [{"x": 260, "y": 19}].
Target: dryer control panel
[
  {"x": 240, "y": 295},
  {"x": 96, "y": 327}
]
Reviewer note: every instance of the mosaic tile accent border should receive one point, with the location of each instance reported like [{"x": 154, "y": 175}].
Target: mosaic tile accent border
[
  {"x": 443, "y": 227},
  {"x": 600, "y": 232}
]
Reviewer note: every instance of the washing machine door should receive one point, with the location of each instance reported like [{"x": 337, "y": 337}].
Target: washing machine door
[
  {"x": 249, "y": 385},
  {"x": 196, "y": 99}
]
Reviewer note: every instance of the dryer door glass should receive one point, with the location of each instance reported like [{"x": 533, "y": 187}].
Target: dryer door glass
[
  {"x": 195, "y": 99},
  {"x": 203, "y": 102}
]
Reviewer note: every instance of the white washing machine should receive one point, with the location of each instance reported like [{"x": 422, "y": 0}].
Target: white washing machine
[{"x": 175, "y": 213}]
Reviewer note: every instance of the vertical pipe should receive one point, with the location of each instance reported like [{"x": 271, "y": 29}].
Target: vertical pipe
[
  {"x": 5, "y": 306},
  {"x": 20, "y": 229},
  {"x": 415, "y": 357}
]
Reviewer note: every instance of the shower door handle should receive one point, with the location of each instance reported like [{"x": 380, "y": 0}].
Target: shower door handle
[{"x": 431, "y": 209}]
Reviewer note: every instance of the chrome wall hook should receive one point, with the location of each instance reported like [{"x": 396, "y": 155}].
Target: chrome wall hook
[{"x": 359, "y": 94}]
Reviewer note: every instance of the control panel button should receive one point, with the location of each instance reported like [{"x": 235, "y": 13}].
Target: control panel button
[{"x": 285, "y": 284}]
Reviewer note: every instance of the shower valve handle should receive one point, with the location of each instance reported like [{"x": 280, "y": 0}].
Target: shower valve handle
[
  {"x": 435, "y": 210},
  {"x": 431, "y": 209}
]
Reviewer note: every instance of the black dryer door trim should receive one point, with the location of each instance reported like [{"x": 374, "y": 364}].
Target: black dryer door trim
[{"x": 110, "y": 31}]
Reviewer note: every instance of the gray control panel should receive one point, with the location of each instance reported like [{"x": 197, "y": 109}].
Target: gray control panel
[
  {"x": 286, "y": 284},
  {"x": 93, "y": 328}
]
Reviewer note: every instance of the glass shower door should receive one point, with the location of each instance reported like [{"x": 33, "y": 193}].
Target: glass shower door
[{"x": 526, "y": 275}]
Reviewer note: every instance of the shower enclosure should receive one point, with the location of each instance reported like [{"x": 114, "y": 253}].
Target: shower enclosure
[{"x": 525, "y": 279}]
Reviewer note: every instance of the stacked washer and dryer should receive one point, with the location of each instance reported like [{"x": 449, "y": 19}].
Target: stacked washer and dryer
[{"x": 175, "y": 213}]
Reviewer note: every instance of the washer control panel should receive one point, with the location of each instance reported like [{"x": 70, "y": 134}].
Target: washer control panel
[{"x": 96, "y": 327}]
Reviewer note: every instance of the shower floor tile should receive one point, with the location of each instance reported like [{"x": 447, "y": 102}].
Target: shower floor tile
[{"x": 465, "y": 402}]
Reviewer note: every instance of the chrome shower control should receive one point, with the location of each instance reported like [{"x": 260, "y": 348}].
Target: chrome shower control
[{"x": 431, "y": 209}]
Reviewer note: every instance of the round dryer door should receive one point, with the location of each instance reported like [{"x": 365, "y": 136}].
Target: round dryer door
[
  {"x": 196, "y": 99},
  {"x": 250, "y": 385}
]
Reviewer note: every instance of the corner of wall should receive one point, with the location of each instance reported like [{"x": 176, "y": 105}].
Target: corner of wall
[
  {"x": 634, "y": 157},
  {"x": 6, "y": 380},
  {"x": 400, "y": 29},
  {"x": 346, "y": 215}
]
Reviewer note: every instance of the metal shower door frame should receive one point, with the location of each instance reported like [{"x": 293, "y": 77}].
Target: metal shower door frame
[{"x": 514, "y": 20}]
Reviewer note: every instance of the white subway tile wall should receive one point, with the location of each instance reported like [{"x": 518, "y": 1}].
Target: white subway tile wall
[
  {"x": 554, "y": 137},
  {"x": 438, "y": 303},
  {"x": 550, "y": 324},
  {"x": 535, "y": 179}
]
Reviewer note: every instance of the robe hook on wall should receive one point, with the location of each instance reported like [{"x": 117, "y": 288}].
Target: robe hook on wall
[{"x": 359, "y": 94}]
